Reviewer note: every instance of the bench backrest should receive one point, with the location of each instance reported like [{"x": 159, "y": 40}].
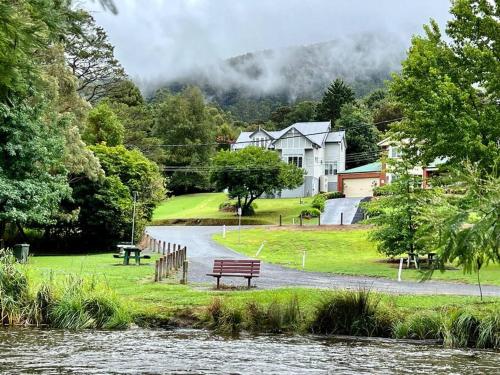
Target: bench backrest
[{"x": 237, "y": 266}]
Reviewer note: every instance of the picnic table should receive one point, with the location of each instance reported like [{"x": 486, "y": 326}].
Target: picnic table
[{"x": 126, "y": 254}]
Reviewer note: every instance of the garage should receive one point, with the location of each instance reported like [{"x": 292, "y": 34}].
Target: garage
[
  {"x": 359, "y": 187},
  {"x": 360, "y": 181}
]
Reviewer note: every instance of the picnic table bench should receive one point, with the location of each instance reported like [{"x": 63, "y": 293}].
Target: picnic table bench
[
  {"x": 127, "y": 250},
  {"x": 247, "y": 268}
]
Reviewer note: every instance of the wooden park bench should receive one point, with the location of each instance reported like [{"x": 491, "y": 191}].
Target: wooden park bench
[{"x": 247, "y": 268}]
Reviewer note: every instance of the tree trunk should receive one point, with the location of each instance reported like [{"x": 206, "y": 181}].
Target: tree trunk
[{"x": 21, "y": 231}]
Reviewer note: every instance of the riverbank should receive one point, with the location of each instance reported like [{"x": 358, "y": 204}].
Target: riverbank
[{"x": 168, "y": 304}]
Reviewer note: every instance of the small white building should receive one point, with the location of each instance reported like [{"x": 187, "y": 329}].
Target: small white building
[{"x": 309, "y": 145}]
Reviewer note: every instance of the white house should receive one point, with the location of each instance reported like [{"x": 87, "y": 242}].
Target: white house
[{"x": 309, "y": 145}]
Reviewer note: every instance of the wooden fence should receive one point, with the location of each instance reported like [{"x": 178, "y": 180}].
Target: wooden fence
[{"x": 173, "y": 257}]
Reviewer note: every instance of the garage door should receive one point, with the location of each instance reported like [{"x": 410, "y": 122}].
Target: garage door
[{"x": 359, "y": 187}]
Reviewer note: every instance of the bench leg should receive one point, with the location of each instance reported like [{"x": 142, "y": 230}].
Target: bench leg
[
  {"x": 218, "y": 282},
  {"x": 249, "y": 279}
]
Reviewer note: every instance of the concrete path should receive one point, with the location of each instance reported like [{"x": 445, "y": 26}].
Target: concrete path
[
  {"x": 333, "y": 208},
  {"x": 202, "y": 250}
]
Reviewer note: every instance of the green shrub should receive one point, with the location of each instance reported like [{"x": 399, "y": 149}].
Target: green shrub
[
  {"x": 214, "y": 312},
  {"x": 489, "y": 331},
  {"x": 318, "y": 202},
  {"x": 420, "y": 326},
  {"x": 333, "y": 195},
  {"x": 82, "y": 305},
  {"x": 462, "y": 330},
  {"x": 14, "y": 293},
  {"x": 350, "y": 313},
  {"x": 308, "y": 213},
  {"x": 227, "y": 206}
]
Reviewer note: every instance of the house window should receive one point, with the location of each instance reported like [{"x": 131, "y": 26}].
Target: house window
[
  {"x": 260, "y": 142},
  {"x": 395, "y": 152},
  {"x": 296, "y": 160},
  {"x": 330, "y": 168}
]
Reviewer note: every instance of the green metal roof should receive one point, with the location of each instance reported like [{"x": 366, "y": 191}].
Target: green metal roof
[{"x": 372, "y": 167}]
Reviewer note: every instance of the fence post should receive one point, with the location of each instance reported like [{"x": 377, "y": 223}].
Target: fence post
[
  {"x": 341, "y": 218},
  {"x": 160, "y": 269},
  {"x": 300, "y": 219},
  {"x": 280, "y": 220},
  {"x": 319, "y": 220},
  {"x": 164, "y": 261},
  {"x": 157, "y": 266},
  {"x": 184, "y": 272},
  {"x": 163, "y": 247}
]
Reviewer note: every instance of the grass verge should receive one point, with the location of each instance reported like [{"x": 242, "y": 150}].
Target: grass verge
[
  {"x": 343, "y": 251},
  {"x": 204, "y": 208}
]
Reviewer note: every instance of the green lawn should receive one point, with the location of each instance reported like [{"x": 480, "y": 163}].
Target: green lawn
[
  {"x": 336, "y": 251},
  {"x": 134, "y": 286},
  {"x": 206, "y": 206}
]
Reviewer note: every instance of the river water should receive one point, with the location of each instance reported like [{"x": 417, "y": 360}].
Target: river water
[{"x": 183, "y": 351}]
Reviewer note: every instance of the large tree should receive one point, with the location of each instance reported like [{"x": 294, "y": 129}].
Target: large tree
[
  {"x": 361, "y": 134},
  {"x": 337, "y": 94},
  {"x": 184, "y": 119},
  {"x": 91, "y": 58},
  {"x": 396, "y": 212},
  {"x": 449, "y": 88},
  {"x": 251, "y": 172},
  {"x": 103, "y": 126},
  {"x": 32, "y": 171}
]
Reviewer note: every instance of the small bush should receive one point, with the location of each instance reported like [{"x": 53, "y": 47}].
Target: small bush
[
  {"x": 230, "y": 321},
  {"x": 275, "y": 318},
  {"x": 349, "y": 313},
  {"x": 214, "y": 312},
  {"x": 420, "y": 327},
  {"x": 14, "y": 293},
  {"x": 309, "y": 213},
  {"x": 318, "y": 202},
  {"x": 489, "y": 331},
  {"x": 333, "y": 195},
  {"x": 462, "y": 330},
  {"x": 82, "y": 306},
  {"x": 227, "y": 206},
  {"x": 380, "y": 191}
]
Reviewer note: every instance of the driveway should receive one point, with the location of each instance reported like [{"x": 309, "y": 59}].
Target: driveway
[
  {"x": 335, "y": 207},
  {"x": 202, "y": 250}
]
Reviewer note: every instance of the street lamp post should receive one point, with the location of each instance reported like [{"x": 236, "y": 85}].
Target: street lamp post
[{"x": 133, "y": 218}]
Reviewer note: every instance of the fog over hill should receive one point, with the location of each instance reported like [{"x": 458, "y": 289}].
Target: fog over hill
[{"x": 286, "y": 75}]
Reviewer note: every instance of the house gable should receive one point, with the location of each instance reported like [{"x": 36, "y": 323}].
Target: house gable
[{"x": 292, "y": 140}]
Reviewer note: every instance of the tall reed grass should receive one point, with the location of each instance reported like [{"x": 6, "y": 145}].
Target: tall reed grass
[
  {"x": 71, "y": 303},
  {"x": 356, "y": 313}
]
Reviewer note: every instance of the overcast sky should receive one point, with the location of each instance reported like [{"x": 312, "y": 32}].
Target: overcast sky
[{"x": 158, "y": 38}]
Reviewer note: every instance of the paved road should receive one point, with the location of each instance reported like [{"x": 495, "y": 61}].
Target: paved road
[
  {"x": 202, "y": 250},
  {"x": 333, "y": 208}
]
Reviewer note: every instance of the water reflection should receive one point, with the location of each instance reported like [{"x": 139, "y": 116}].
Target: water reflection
[{"x": 143, "y": 351}]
